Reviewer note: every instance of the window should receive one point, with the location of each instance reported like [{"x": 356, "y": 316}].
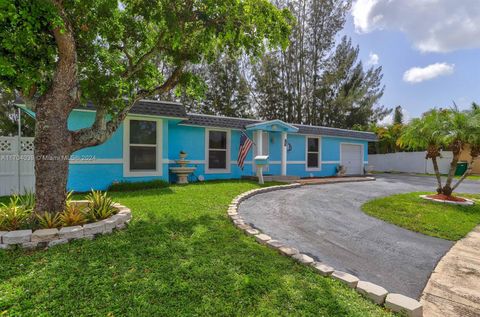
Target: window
[
  {"x": 218, "y": 151},
  {"x": 142, "y": 151},
  {"x": 313, "y": 153}
]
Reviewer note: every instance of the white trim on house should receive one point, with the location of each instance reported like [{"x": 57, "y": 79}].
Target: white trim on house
[
  {"x": 362, "y": 152},
  {"x": 296, "y": 162},
  {"x": 313, "y": 169},
  {"x": 126, "y": 148},
  {"x": 228, "y": 152},
  {"x": 330, "y": 162}
]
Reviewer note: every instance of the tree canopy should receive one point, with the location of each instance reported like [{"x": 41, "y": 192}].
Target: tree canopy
[
  {"x": 114, "y": 53},
  {"x": 129, "y": 49}
]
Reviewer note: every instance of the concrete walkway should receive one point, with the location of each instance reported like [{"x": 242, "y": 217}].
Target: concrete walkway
[
  {"x": 454, "y": 287},
  {"x": 326, "y": 222}
]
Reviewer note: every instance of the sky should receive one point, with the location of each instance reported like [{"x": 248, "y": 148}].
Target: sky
[{"x": 429, "y": 50}]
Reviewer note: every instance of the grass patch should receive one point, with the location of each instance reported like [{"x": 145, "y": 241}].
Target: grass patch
[
  {"x": 181, "y": 256},
  {"x": 451, "y": 222},
  {"x": 132, "y": 186}
]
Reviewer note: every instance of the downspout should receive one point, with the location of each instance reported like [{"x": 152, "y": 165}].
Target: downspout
[{"x": 19, "y": 148}]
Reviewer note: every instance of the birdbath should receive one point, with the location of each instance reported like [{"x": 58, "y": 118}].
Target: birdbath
[{"x": 182, "y": 171}]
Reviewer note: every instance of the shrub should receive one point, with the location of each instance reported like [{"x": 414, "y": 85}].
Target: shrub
[
  {"x": 131, "y": 186},
  {"x": 27, "y": 200},
  {"x": 100, "y": 206},
  {"x": 14, "y": 216},
  {"x": 73, "y": 215},
  {"x": 48, "y": 220}
]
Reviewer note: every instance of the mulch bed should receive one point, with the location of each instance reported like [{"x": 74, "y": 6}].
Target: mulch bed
[{"x": 448, "y": 198}]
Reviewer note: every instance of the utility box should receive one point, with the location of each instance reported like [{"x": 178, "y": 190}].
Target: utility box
[{"x": 461, "y": 168}]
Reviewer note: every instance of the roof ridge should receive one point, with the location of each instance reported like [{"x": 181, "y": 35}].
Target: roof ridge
[
  {"x": 324, "y": 127},
  {"x": 224, "y": 117},
  {"x": 294, "y": 124},
  {"x": 162, "y": 101}
]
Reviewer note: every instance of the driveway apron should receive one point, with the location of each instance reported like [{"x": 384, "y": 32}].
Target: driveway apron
[{"x": 326, "y": 222}]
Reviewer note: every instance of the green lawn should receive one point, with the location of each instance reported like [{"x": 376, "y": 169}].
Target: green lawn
[
  {"x": 180, "y": 256},
  {"x": 409, "y": 211}
]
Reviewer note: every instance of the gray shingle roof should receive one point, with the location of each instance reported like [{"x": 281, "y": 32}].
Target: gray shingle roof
[
  {"x": 177, "y": 110},
  {"x": 239, "y": 123},
  {"x": 153, "y": 108}
]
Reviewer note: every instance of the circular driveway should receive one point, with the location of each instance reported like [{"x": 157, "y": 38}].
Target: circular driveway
[{"x": 326, "y": 222}]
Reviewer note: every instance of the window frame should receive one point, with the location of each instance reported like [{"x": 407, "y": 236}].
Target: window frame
[
  {"x": 319, "y": 168},
  {"x": 227, "y": 168},
  {"x": 127, "y": 172}
]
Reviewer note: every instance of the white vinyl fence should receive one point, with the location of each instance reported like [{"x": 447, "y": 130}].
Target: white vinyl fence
[
  {"x": 16, "y": 165},
  {"x": 408, "y": 162}
]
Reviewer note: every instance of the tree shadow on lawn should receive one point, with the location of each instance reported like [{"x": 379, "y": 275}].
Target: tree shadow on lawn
[{"x": 167, "y": 265}]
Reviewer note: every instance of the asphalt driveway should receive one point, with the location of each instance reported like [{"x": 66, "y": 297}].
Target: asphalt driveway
[{"x": 326, "y": 222}]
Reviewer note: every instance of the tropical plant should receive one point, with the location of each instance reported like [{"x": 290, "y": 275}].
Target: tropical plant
[
  {"x": 387, "y": 138},
  {"x": 48, "y": 220},
  {"x": 100, "y": 206},
  {"x": 27, "y": 200},
  {"x": 73, "y": 215},
  {"x": 448, "y": 129},
  {"x": 428, "y": 132},
  {"x": 69, "y": 198},
  {"x": 14, "y": 215},
  {"x": 472, "y": 139}
]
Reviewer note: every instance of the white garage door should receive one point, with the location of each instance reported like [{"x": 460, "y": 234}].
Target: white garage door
[{"x": 352, "y": 158}]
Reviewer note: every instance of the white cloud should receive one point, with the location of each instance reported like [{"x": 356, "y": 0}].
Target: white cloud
[
  {"x": 419, "y": 74},
  {"x": 432, "y": 25},
  {"x": 373, "y": 59}
]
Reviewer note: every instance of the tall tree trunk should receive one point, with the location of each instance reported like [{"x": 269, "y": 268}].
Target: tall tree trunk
[
  {"x": 437, "y": 174},
  {"x": 52, "y": 145},
  {"x": 52, "y": 151}
]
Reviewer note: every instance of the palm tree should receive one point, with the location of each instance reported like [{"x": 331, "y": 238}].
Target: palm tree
[
  {"x": 473, "y": 140},
  {"x": 445, "y": 129},
  {"x": 428, "y": 132}
]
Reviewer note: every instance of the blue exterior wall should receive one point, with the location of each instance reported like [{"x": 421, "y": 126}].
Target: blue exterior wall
[
  {"x": 89, "y": 175},
  {"x": 191, "y": 139}
]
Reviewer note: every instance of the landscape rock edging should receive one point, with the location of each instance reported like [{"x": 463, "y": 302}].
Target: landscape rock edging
[
  {"x": 377, "y": 294},
  {"x": 45, "y": 238}
]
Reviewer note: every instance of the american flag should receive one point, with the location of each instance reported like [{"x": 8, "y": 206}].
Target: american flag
[{"x": 245, "y": 145}]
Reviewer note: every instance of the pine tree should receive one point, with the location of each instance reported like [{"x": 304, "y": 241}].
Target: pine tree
[{"x": 398, "y": 115}]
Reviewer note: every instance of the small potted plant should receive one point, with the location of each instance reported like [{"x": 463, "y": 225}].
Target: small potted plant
[
  {"x": 183, "y": 155},
  {"x": 341, "y": 170}
]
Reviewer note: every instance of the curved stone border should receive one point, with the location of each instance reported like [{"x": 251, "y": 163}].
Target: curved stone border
[
  {"x": 46, "y": 238},
  {"x": 377, "y": 294},
  {"x": 467, "y": 202}
]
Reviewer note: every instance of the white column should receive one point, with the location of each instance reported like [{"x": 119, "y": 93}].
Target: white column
[
  {"x": 284, "y": 153},
  {"x": 259, "y": 142}
]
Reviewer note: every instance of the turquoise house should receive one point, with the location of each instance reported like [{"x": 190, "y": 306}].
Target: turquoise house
[{"x": 155, "y": 132}]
